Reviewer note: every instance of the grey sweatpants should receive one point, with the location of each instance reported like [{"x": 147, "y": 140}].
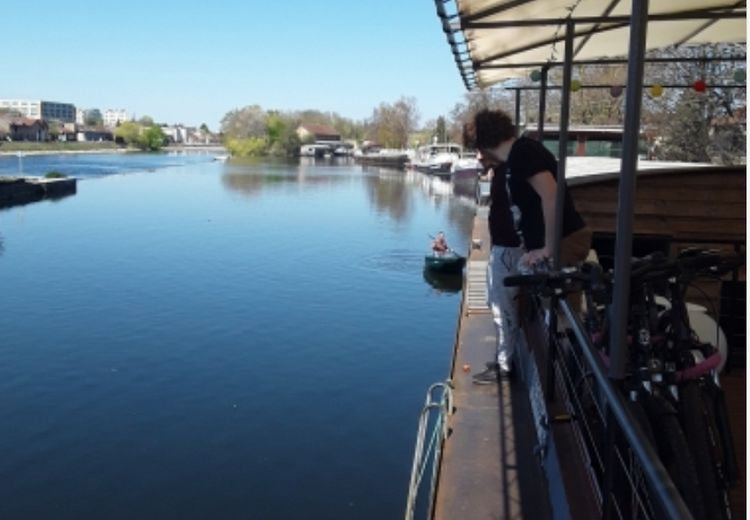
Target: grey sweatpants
[{"x": 502, "y": 300}]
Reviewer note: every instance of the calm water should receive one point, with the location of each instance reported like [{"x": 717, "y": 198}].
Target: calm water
[{"x": 193, "y": 339}]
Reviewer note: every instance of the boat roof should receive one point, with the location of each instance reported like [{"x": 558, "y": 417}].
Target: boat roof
[
  {"x": 585, "y": 170},
  {"x": 497, "y": 40},
  {"x": 440, "y": 146}
]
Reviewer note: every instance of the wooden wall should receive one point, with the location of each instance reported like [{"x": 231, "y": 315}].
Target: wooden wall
[{"x": 685, "y": 205}]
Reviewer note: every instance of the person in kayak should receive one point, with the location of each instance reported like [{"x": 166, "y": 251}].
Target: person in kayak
[{"x": 439, "y": 245}]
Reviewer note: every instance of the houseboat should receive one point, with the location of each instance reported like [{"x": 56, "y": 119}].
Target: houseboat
[{"x": 437, "y": 159}]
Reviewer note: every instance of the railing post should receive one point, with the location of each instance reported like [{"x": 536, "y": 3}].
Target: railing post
[
  {"x": 542, "y": 103},
  {"x": 626, "y": 190}
]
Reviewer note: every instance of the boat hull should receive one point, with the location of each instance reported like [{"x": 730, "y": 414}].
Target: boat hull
[{"x": 446, "y": 263}]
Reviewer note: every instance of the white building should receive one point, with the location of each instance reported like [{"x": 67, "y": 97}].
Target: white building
[
  {"x": 39, "y": 109},
  {"x": 113, "y": 116}
]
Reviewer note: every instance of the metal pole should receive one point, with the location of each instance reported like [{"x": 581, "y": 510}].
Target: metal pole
[
  {"x": 542, "y": 102},
  {"x": 518, "y": 112},
  {"x": 562, "y": 154},
  {"x": 626, "y": 191}
]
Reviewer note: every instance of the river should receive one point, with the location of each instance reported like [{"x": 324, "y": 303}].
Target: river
[{"x": 188, "y": 339}]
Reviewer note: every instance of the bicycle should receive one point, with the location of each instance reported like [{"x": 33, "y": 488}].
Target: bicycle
[{"x": 671, "y": 382}]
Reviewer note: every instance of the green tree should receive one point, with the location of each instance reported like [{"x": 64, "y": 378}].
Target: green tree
[
  {"x": 54, "y": 128},
  {"x": 151, "y": 138},
  {"x": 204, "y": 128},
  {"x": 275, "y": 127},
  {"x": 440, "y": 129},
  {"x": 246, "y": 146},
  {"x": 129, "y": 132},
  {"x": 92, "y": 117}
]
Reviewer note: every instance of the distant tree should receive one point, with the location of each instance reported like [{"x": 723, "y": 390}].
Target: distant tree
[
  {"x": 152, "y": 139},
  {"x": 249, "y": 121},
  {"x": 146, "y": 121},
  {"x": 474, "y": 101},
  {"x": 440, "y": 129},
  {"x": 128, "y": 131},
  {"x": 246, "y": 146},
  {"x": 275, "y": 127},
  {"x": 204, "y": 128},
  {"x": 391, "y": 125},
  {"x": 54, "y": 128},
  {"x": 92, "y": 117},
  {"x": 686, "y": 125}
]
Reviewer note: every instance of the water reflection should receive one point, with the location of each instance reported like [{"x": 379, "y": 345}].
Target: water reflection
[
  {"x": 250, "y": 176},
  {"x": 442, "y": 282},
  {"x": 388, "y": 192}
]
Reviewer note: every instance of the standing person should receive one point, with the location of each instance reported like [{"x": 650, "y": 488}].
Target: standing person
[
  {"x": 532, "y": 171},
  {"x": 504, "y": 256}
]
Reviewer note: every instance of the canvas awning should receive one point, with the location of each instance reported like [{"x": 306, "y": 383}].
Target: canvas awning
[{"x": 495, "y": 40}]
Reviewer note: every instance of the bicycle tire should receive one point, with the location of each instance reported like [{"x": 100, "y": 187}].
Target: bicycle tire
[
  {"x": 674, "y": 452},
  {"x": 629, "y": 497},
  {"x": 702, "y": 437}
]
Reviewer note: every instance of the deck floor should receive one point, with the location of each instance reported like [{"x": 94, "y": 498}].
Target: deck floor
[{"x": 489, "y": 469}]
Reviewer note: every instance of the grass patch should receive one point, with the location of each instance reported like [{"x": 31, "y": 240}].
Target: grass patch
[
  {"x": 54, "y": 175},
  {"x": 55, "y": 146}
]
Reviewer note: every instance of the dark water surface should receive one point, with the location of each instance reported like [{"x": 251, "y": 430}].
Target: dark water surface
[{"x": 194, "y": 339}]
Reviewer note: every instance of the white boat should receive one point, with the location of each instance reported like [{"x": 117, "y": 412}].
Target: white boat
[
  {"x": 314, "y": 150},
  {"x": 437, "y": 159},
  {"x": 465, "y": 173},
  {"x": 222, "y": 158}
]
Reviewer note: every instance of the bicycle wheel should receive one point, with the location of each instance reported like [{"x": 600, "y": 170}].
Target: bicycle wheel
[
  {"x": 702, "y": 437},
  {"x": 674, "y": 452},
  {"x": 629, "y": 484}
]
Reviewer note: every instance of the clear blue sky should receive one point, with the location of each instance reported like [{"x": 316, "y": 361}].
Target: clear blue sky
[{"x": 192, "y": 61}]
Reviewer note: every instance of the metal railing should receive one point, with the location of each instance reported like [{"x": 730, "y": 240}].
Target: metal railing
[
  {"x": 441, "y": 408},
  {"x": 598, "y": 405}
]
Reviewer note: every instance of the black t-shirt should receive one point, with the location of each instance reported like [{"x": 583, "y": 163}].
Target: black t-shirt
[
  {"x": 502, "y": 230},
  {"x": 527, "y": 158}
]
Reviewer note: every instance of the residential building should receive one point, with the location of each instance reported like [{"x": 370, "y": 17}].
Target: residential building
[
  {"x": 318, "y": 133},
  {"x": 112, "y": 117},
  {"x": 29, "y": 129},
  {"x": 39, "y": 109}
]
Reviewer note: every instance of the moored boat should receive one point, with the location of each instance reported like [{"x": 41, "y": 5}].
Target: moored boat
[{"x": 437, "y": 159}]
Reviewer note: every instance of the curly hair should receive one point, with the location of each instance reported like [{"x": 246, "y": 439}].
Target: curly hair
[{"x": 492, "y": 127}]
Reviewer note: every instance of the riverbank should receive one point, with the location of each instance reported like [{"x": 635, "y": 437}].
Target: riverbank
[
  {"x": 29, "y": 148},
  {"x": 25, "y": 148}
]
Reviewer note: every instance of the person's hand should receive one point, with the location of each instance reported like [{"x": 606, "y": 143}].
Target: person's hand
[{"x": 535, "y": 256}]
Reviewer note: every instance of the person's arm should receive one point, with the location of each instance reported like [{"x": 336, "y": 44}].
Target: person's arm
[{"x": 545, "y": 186}]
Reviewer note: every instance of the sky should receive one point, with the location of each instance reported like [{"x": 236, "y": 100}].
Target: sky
[{"x": 191, "y": 62}]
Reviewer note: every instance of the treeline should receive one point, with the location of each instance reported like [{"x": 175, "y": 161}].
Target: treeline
[
  {"x": 253, "y": 131},
  {"x": 680, "y": 124},
  {"x": 702, "y": 118},
  {"x": 143, "y": 134}
]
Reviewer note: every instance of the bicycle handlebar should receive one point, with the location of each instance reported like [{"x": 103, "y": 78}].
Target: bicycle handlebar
[{"x": 652, "y": 267}]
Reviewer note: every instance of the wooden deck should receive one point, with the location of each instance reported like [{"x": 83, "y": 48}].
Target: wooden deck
[{"x": 489, "y": 469}]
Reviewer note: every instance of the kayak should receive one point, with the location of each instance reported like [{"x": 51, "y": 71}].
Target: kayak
[{"x": 449, "y": 262}]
